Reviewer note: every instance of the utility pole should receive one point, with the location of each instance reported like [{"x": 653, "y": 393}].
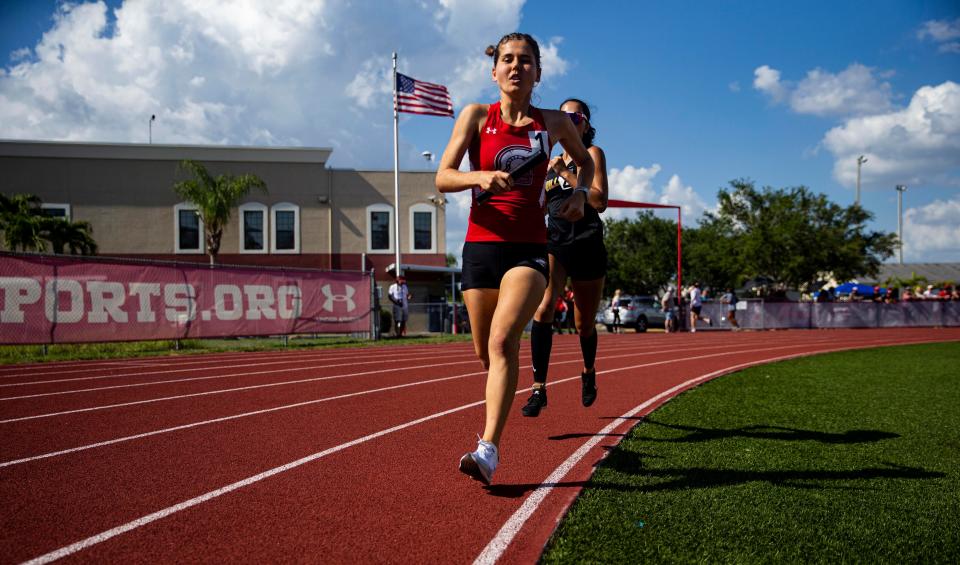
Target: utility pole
[
  {"x": 150, "y": 126},
  {"x": 860, "y": 161},
  {"x": 900, "y": 189}
]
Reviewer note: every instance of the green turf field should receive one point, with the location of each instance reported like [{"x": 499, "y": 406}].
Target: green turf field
[{"x": 847, "y": 457}]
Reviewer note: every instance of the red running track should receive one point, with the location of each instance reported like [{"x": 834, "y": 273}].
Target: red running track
[{"x": 334, "y": 456}]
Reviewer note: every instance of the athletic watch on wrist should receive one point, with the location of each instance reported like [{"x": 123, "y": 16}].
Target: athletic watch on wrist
[{"x": 584, "y": 190}]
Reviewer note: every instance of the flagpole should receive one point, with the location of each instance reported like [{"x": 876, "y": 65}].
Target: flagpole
[{"x": 396, "y": 173}]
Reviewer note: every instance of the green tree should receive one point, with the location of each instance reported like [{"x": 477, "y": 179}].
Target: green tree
[
  {"x": 790, "y": 235},
  {"x": 215, "y": 198},
  {"x": 641, "y": 253},
  {"x": 711, "y": 254},
  {"x": 65, "y": 234},
  {"x": 21, "y": 222}
]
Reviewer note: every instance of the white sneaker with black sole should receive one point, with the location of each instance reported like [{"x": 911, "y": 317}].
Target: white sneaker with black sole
[{"x": 481, "y": 464}]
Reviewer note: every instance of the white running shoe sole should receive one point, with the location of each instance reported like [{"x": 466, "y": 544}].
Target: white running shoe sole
[{"x": 470, "y": 467}]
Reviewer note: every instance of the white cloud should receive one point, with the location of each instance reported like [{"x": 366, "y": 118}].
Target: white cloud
[
  {"x": 767, "y": 80},
  {"x": 636, "y": 184},
  {"x": 943, "y": 32},
  {"x": 553, "y": 65},
  {"x": 734, "y": 86},
  {"x": 285, "y": 72},
  {"x": 853, "y": 91},
  {"x": 675, "y": 193},
  {"x": 917, "y": 145},
  {"x": 931, "y": 233},
  {"x": 633, "y": 183}
]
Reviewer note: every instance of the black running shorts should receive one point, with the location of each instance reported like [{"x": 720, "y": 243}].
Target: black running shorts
[
  {"x": 485, "y": 262},
  {"x": 583, "y": 260}
]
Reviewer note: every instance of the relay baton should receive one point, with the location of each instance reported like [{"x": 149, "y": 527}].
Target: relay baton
[{"x": 535, "y": 158}]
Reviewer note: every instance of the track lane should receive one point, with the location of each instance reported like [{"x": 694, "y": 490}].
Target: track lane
[
  {"x": 35, "y": 437},
  {"x": 443, "y": 435}
]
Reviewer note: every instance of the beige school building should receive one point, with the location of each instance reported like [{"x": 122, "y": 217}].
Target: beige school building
[{"x": 312, "y": 216}]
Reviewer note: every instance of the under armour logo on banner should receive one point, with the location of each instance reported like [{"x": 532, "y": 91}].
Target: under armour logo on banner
[{"x": 347, "y": 297}]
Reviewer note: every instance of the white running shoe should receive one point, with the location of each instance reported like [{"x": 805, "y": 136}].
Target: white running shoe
[{"x": 481, "y": 464}]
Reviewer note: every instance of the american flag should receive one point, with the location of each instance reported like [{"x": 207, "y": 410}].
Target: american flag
[{"x": 418, "y": 97}]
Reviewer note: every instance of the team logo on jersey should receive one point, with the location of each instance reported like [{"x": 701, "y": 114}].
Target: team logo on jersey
[{"x": 510, "y": 157}]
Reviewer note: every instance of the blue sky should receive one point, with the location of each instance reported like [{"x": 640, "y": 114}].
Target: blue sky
[{"x": 686, "y": 95}]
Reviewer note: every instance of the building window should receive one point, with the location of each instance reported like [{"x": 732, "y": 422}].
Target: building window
[
  {"x": 188, "y": 229},
  {"x": 285, "y": 218},
  {"x": 423, "y": 228},
  {"x": 253, "y": 228},
  {"x": 379, "y": 228},
  {"x": 56, "y": 210}
]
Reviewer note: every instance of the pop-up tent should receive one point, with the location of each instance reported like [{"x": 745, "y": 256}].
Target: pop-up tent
[{"x": 862, "y": 289}]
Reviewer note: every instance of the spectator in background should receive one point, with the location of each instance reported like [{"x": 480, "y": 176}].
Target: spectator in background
[
  {"x": 696, "y": 304},
  {"x": 568, "y": 299},
  {"x": 855, "y": 295},
  {"x": 560, "y": 315},
  {"x": 667, "y": 304},
  {"x": 929, "y": 294},
  {"x": 400, "y": 295},
  {"x": 891, "y": 296},
  {"x": 954, "y": 295},
  {"x": 907, "y": 295},
  {"x": 615, "y": 309},
  {"x": 729, "y": 299}
]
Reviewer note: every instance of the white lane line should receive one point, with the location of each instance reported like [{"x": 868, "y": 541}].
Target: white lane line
[
  {"x": 286, "y": 361},
  {"x": 315, "y": 379},
  {"x": 227, "y": 418},
  {"x": 498, "y": 545},
  {"x": 256, "y": 412},
  {"x": 208, "y": 358},
  {"x": 470, "y": 359},
  {"x": 160, "y": 514},
  {"x": 212, "y": 377}
]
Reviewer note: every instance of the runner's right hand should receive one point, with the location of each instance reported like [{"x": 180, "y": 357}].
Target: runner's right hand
[{"x": 495, "y": 182}]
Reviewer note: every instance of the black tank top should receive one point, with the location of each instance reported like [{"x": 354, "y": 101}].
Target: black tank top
[{"x": 563, "y": 232}]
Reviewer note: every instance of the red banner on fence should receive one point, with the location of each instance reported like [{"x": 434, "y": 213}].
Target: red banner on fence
[{"x": 64, "y": 300}]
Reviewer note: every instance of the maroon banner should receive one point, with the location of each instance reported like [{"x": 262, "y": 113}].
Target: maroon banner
[{"x": 66, "y": 300}]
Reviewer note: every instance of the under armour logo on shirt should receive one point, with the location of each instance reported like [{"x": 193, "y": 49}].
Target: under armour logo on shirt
[{"x": 492, "y": 130}]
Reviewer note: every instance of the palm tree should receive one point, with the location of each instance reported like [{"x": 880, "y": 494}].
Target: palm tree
[
  {"x": 63, "y": 234},
  {"x": 215, "y": 199},
  {"x": 21, "y": 222}
]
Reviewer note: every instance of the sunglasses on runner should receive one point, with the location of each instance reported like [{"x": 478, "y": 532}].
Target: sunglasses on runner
[{"x": 576, "y": 117}]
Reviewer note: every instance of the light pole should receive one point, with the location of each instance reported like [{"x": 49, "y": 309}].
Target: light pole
[
  {"x": 860, "y": 161},
  {"x": 428, "y": 156},
  {"x": 900, "y": 189},
  {"x": 152, "y": 118}
]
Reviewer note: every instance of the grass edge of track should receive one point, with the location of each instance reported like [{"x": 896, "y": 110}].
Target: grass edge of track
[{"x": 769, "y": 479}]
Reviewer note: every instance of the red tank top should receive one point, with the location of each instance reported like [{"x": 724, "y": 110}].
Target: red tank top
[{"x": 516, "y": 215}]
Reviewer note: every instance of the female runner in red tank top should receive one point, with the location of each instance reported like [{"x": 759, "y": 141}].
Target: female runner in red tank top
[{"x": 505, "y": 257}]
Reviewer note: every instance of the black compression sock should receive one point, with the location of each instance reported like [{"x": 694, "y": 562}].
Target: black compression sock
[
  {"x": 588, "y": 346},
  {"x": 541, "y": 342}
]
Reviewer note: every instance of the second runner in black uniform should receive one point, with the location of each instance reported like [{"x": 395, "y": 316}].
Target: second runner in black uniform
[{"x": 576, "y": 250}]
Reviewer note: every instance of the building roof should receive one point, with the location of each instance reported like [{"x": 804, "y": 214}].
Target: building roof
[
  {"x": 934, "y": 272},
  {"x": 163, "y": 152}
]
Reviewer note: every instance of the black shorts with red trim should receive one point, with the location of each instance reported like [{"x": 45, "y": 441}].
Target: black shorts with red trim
[{"x": 485, "y": 262}]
